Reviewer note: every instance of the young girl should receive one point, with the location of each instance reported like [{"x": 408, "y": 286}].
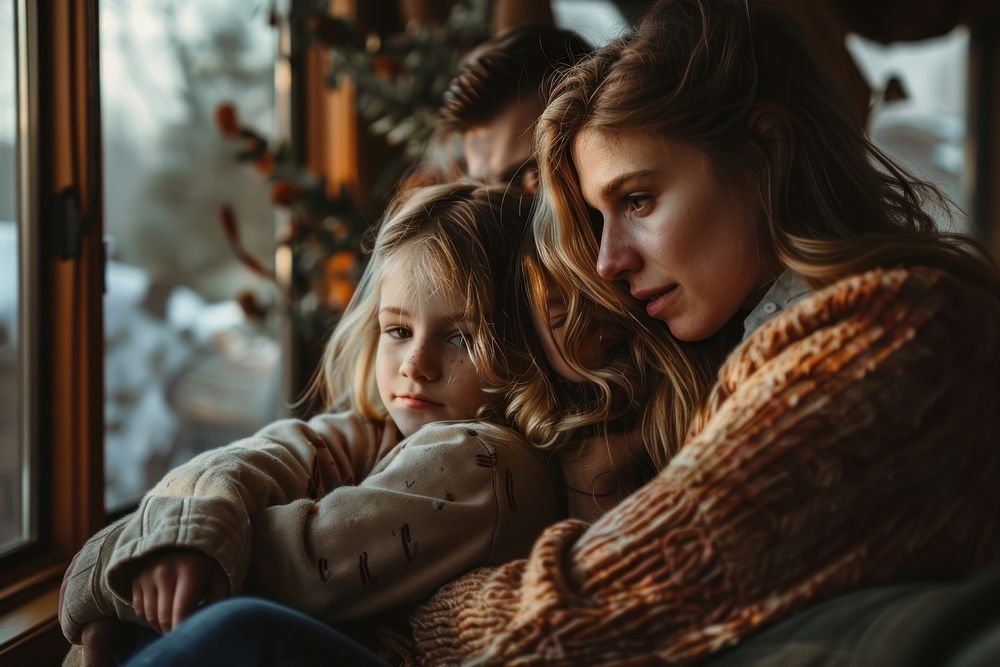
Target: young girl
[
  {"x": 851, "y": 439},
  {"x": 339, "y": 516},
  {"x": 344, "y": 521}
]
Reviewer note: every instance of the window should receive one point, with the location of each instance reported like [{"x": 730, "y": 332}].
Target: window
[
  {"x": 50, "y": 294},
  {"x": 183, "y": 370},
  {"x": 597, "y": 22},
  {"x": 17, "y": 322},
  {"x": 919, "y": 115}
]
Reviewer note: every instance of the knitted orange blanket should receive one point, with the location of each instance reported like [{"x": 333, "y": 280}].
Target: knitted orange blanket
[{"x": 851, "y": 441}]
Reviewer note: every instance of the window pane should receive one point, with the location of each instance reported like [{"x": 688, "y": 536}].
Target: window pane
[
  {"x": 598, "y": 22},
  {"x": 183, "y": 371},
  {"x": 13, "y": 530},
  {"x": 919, "y": 111}
]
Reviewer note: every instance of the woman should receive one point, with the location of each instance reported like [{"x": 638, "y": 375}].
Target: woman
[{"x": 849, "y": 440}]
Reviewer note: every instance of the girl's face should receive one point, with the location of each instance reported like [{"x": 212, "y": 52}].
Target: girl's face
[
  {"x": 551, "y": 331},
  {"x": 423, "y": 368},
  {"x": 686, "y": 243}
]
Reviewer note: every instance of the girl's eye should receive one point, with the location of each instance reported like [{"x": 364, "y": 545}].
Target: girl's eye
[
  {"x": 557, "y": 321},
  {"x": 638, "y": 203},
  {"x": 397, "y": 332},
  {"x": 459, "y": 340}
]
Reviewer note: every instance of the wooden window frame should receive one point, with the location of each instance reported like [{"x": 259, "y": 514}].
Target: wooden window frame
[
  {"x": 58, "y": 95},
  {"x": 983, "y": 130}
]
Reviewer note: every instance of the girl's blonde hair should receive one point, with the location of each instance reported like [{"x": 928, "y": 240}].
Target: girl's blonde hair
[
  {"x": 467, "y": 238},
  {"x": 548, "y": 410},
  {"x": 460, "y": 237},
  {"x": 705, "y": 72}
]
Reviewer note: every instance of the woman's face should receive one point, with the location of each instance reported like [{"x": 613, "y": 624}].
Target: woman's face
[{"x": 687, "y": 244}]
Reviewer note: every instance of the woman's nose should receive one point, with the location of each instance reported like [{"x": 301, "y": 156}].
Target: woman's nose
[
  {"x": 616, "y": 258},
  {"x": 421, "y": 363}
]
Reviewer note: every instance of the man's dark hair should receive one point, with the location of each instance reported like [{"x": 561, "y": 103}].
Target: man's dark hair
[{"x": 505, "y": 68}]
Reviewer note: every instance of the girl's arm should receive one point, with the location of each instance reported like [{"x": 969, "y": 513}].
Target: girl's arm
[
  {"x": 852, "y": 441},
  {"x": 206, "y": 503},
  {"x": 453, "y": 496}
]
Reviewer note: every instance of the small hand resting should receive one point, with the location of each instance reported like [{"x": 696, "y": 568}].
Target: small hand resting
[{"x": 169, "y": 586}]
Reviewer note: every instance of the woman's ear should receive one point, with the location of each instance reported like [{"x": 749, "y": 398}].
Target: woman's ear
[{"x": 770, "y": 124}]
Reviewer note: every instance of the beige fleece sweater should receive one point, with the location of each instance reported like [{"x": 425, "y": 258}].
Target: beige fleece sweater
[
  {"x": 330, "y": 516},
  {"x": 853, "y": 440}
]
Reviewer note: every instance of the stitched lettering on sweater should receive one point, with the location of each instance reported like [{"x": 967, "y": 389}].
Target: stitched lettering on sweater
[
  {"x": 409, "y": 545},
  {"x": 509, "y": 488},
  {"x": 487, "y": 460},
  {"x": 367, "y": 578}
]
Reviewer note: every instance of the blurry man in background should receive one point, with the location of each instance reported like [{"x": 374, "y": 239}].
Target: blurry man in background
[{"x": 496, "y": 97}]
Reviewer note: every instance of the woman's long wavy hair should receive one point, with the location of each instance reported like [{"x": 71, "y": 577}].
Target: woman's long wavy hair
[{"x": 831, "y": 203}]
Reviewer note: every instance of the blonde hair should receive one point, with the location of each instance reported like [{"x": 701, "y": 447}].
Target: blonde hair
[
  {"x": 475, "y": 241},
  {"x": 460, "y": 237},
  {"x": 832, "y": 203},
  {"x": 550, "y": 411}
]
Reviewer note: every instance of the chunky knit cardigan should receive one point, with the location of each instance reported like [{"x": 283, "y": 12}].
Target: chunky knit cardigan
[{"x": 851, "y": 441}]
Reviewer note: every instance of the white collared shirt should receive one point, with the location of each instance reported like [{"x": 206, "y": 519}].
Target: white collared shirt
[{"x": 786, "y": 290}]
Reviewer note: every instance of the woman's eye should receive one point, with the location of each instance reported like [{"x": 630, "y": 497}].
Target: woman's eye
[
  {"x": 397, "y": 332},
  {"x": 638, "y": 203},
  {"x": 459, "y": 340},
  {"x": 557, "y": 321}
]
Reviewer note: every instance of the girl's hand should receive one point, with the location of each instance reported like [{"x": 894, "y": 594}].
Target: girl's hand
[
  {"x": 599, "y": 472},
  {"x": 97, "y": 639},
  {"x": 168, "y": 587}
]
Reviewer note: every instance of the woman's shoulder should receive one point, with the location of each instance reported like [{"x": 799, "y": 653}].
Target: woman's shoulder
[
  {"x": 912, "y": 326},
  {"x": 878, "y": 297},
  {"x": 904, "y": 281},
  {"x": 885, "y": 308}
]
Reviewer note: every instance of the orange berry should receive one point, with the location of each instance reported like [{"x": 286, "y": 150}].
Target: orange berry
[
  {"x": 341, "y": 264},
  {"x": 227, "y": 120},
  {"x": 340, "y": 294},
  {"x": 284, "y": 193},
  {"x": 265, "y": 163},
  {"x": 386, "y": 66}
]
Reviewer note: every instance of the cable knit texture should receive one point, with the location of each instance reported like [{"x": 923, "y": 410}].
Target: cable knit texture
[{"x": 850, "y": 441}]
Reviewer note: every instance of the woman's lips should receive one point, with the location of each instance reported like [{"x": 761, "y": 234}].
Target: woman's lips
[{"x": 662, "y": 302}]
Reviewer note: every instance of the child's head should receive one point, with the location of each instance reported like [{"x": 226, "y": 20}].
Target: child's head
[
  {"x": 423, "y": 367},
  {"x": 569, "y": 379},
  {"x": 420, "y": 338},
  {"x": 548, "y": 307}
]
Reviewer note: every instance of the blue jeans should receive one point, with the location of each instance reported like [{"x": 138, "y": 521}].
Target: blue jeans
[{"x": 252, "y": 632}]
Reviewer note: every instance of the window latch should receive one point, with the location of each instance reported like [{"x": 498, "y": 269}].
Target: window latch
[{"x": 70, "y": 224}]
